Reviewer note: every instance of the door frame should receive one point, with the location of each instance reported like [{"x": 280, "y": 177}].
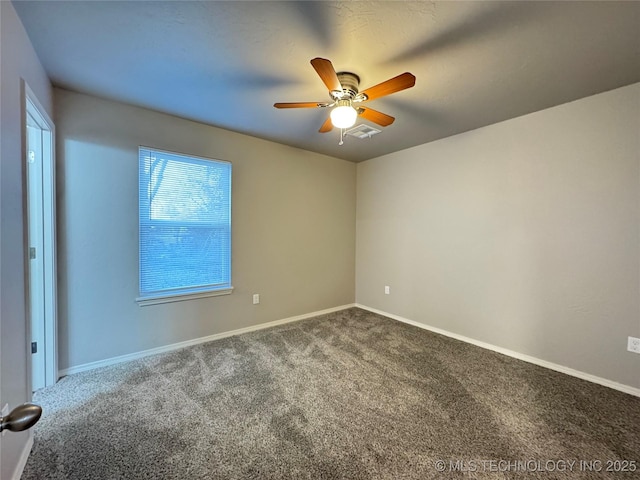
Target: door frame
[{"x": 31, "y": 104}]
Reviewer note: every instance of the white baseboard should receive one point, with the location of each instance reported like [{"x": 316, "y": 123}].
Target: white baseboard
[
  {"x": 176, "y": 346},
  {"x": 24, "y": 456},
  {"x": 520, "y": 356}
]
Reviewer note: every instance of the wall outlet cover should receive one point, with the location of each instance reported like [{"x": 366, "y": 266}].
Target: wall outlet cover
[{"x": 633, "y": 345}]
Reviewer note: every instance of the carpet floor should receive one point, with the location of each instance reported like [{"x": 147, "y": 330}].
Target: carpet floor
[{"x": 348, "y": 395}]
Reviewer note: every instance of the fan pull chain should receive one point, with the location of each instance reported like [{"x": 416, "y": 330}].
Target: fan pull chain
[{"x": 341, "y": 136}]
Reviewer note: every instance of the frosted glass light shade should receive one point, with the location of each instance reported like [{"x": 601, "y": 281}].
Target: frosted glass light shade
[{"x": 343, "y": 116}]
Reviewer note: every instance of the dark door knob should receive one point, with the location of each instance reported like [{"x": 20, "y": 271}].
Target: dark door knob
[{"x": 21, "y": 418}]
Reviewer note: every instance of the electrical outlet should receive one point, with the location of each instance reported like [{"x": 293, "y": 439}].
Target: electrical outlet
[
  {"x": 256, "y": 298},
  {"x": 387, "y": 290},
  {"x": 633, "y": 345}
]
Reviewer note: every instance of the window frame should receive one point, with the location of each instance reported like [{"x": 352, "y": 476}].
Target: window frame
[{"x": 180, "y": 294}]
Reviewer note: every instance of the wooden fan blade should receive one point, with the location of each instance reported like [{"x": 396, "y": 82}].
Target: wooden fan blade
[
  {"x": 395, "y": 84},
  {"x": 327, "y": 73},
  {"x": 298, "y": 105},
  {"x": 327, "y": 126},
  {"x": 376, "y": 116}
]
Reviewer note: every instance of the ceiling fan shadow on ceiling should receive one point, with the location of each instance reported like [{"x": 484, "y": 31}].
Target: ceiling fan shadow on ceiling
[{"x": 346, "y": 99}]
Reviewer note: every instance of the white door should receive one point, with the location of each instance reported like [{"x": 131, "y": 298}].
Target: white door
[{"x": 41, "y": 242}]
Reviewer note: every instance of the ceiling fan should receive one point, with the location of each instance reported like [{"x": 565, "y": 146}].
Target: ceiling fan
[{"x": 346, "y": 98}]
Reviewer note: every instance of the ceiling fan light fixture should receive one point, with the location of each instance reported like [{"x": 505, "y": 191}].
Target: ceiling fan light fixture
[
  {"x": 344, "y": 92},
  {"x": 343, "y": 115}
]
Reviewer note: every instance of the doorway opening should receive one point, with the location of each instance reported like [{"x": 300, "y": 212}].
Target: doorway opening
[{"x": 41, "y": 247}]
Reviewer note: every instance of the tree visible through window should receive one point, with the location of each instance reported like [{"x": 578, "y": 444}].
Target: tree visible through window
[{"x": 185, "y": 224}]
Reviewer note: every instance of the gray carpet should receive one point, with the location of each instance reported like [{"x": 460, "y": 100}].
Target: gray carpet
[{"x": 349, "y": 395}]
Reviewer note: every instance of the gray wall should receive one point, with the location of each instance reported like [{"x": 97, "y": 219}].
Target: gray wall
[
  {"x": 523, "y": 234},
  {"x": 293, "y": 230},
  {"x": 19, "y": 61}
]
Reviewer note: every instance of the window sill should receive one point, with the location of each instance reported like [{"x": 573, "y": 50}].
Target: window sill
[{"x": 180, "y": 297}]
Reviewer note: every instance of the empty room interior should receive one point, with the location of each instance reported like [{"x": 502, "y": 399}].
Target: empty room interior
[{"x": 337, "y": 240}]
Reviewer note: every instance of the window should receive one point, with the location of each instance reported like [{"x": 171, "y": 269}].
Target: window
[{"x": 185, "y": 227}]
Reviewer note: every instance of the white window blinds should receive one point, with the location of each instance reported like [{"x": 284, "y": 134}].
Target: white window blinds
[{"x": 185, "y": 224}]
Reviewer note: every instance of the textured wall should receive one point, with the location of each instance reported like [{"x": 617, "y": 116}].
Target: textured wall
[
  {"x": 19, "y": 62},
  {"x": 523, "y": 234},
  {"x": 293, "y": 230}
]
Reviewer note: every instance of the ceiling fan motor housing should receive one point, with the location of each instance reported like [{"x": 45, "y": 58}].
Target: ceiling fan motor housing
[{"x": 350, "y": 82}]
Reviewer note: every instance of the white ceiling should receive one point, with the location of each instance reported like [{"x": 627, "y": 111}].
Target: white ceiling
[{"x": 226, "y": 63}]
